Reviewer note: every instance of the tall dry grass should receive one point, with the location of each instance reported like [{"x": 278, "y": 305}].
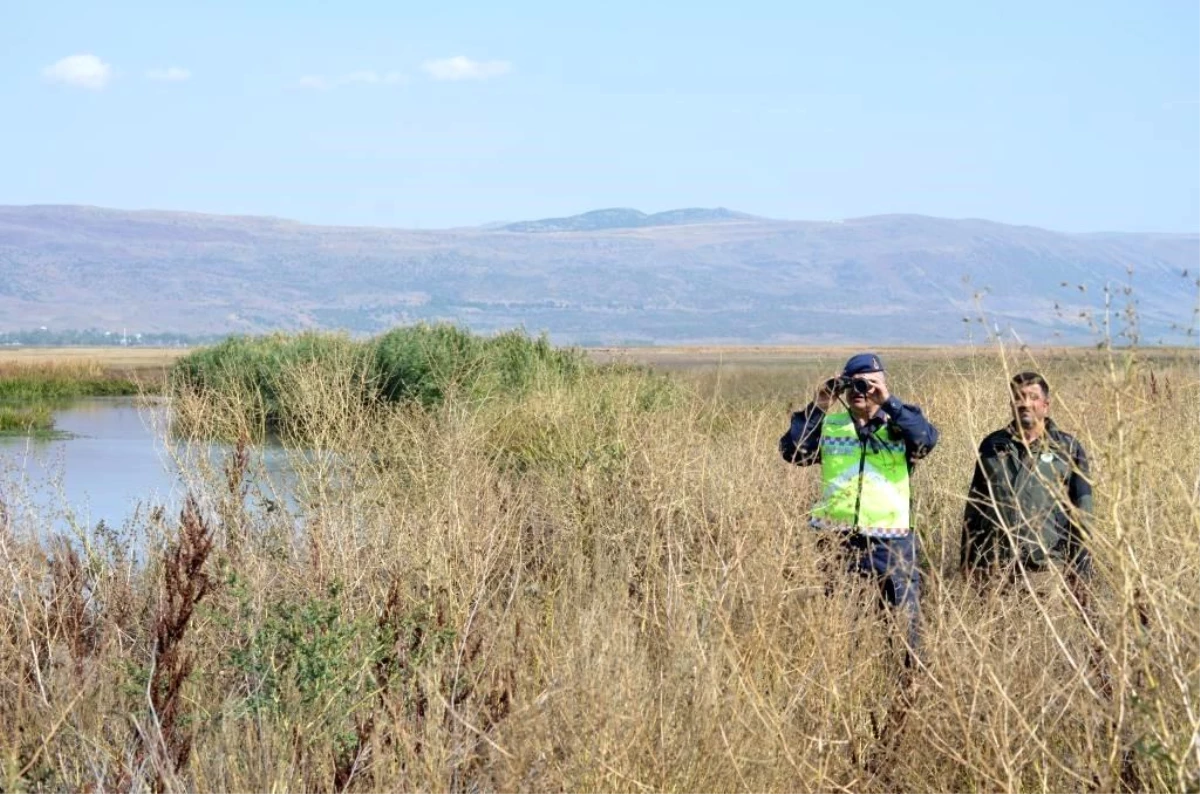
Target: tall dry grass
[
  {"x": 609, "y": 584},
  {"x": 61, "y": 379}
]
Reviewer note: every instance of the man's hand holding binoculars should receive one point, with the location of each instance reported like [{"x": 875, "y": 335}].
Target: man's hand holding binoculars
[{"x": 871, "y": 386}]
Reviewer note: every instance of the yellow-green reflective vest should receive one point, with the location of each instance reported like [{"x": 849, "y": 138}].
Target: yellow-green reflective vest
[{"x": 864, "y": 486}]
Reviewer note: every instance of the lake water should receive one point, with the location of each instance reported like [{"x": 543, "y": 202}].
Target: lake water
[{"x": 115, "y": 461}]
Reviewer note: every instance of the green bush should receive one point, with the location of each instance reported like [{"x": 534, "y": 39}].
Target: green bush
[
  {"x": 425, "y": 363},
  {"x": 250, "y": 371},
  {"x": 421, "y": 364}
]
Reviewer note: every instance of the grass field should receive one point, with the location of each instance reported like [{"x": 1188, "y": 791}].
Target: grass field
[
  {"x": 146, "y": 367},
  {"x": 608, "y": 583},
  {"x": 118, "y": 358}
]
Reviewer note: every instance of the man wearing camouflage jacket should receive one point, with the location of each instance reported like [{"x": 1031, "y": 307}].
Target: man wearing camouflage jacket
[{"x": 1030, "y": 499}]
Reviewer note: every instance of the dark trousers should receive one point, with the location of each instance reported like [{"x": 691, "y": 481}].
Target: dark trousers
[{"x": 892, "y": 564}]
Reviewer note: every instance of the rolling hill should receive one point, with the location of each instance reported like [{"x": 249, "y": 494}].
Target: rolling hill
[{"x": 607, "y": 277}]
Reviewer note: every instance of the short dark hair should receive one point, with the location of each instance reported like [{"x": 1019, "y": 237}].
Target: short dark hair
[{"x": 1023, "y": 379}]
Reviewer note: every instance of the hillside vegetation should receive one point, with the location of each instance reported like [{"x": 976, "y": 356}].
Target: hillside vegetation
[
  {"x": 596, "y": 579},
  {"x": 611, "y": 277}
]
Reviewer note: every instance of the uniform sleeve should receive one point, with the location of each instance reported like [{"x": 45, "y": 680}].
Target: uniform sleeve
[
  {"x": 801, "y": 444},
  {"x": 919, "y": 434}
]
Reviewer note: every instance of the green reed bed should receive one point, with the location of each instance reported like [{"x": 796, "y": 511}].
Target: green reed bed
[
  {"x": 16, "y": 420},
  {"x": 251, "y": 385},
  {"x": 39, "y": 389},
  {"x": 30, "y": 392},
  {"x": 51, "y": 381}
]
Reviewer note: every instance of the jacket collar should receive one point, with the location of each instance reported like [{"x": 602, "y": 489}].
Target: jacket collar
[{"x": 1051, "y": 436}]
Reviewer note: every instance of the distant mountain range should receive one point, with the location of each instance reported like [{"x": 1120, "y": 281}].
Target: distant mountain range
[
  {"x": 624, "y": 218},
  {"x": 615, "y": 276}
]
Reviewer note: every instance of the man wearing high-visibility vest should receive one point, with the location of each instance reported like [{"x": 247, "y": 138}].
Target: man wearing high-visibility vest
[{"x": 866, "y": 440}]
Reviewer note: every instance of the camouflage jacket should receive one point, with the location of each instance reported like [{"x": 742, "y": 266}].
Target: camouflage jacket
[{"x": 1028, "y": 504}]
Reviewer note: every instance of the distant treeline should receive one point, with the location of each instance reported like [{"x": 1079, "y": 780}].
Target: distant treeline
[
  {"x": 267, "y": 377},
  {"x": 95, "y": 337}
]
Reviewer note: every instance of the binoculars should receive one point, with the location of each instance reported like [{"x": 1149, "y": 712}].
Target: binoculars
[{"x": 842, "y": 383}]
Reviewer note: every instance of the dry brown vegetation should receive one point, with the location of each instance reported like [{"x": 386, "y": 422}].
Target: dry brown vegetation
[
  {"x": 610, "y": 586},
  {"x": 147, "y": 367},
  {"x": 107, "y": 358}
]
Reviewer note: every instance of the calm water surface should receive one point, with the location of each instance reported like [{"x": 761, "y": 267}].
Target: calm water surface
[{"x": 114, "y": 461}]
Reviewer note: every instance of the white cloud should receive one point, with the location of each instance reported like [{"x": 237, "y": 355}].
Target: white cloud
[
  {"x": 461, "y": 67},
  {"x": 172, "y": 74},
  {"x": 363, "y": 77},
  {"x": 314, "y": 81},
  {"x": 373, "y": 78},
  {"x": 84, "y": 71},
  {"x": 367, "y": 76}
]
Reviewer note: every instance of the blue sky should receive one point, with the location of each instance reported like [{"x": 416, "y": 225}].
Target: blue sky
[{"x": 1078, "y": 116}]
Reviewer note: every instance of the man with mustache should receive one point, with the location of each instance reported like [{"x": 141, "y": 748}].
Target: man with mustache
[
  {"x": 1030, "y": 498},
  {"x": 866, "y": 440}
]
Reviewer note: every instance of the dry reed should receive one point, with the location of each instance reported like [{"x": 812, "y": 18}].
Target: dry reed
[{"x": 610, "y": 585}]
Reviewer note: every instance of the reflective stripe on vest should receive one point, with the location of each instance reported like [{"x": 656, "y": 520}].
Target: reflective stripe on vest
[{"x": 864, "y": 487}]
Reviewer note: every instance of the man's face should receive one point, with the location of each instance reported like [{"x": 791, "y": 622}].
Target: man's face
[
  {"x": 1030, "y": 405},
  {"x": 861, "y": 401}
]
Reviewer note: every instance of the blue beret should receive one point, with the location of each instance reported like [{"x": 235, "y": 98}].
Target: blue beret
[{"x": 861, "y": 364}]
